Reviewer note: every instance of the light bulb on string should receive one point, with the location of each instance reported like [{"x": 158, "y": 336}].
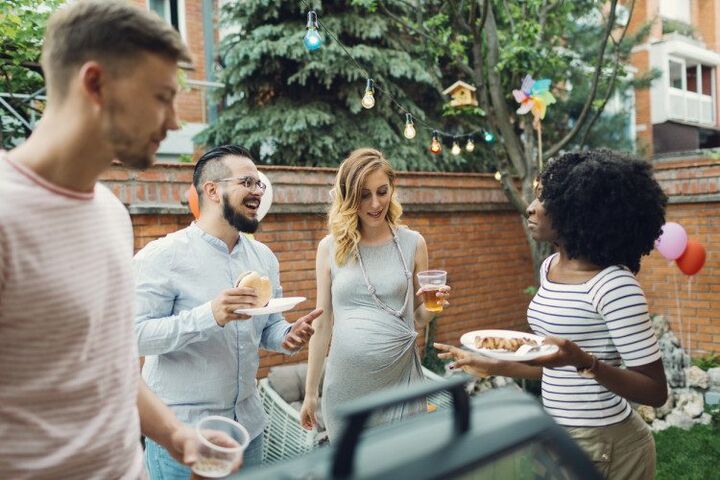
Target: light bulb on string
[
  {"x": 489, "y": 137},
  {"x": 435, "y": 145},
  {"x": 470, "y": 145},
  {"x": 498, "y": 176},
  {"x": 455, "y": 150},
  {"x": 312, "y": 39},
  {"x": 368, "y": 100},
  {"x": 409, "y": 131}
]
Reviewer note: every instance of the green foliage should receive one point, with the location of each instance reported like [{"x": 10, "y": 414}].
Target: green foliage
[
  {"x": 22, "y": 24},
  {"x": 688, "y": 454},
  {"x": 430, "y": 359},
  {"x": 290, "y": 106},
  {"x": 670, "y": 25},
  {"x": 531, "y": 290},
  {"x": 707, "y": 362},
  {"x": 714, "y": 412},
  {"x": 294, "y": 107}
]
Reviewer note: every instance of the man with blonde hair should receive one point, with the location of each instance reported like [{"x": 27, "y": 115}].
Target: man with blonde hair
[{"x": 70, "y": 391}]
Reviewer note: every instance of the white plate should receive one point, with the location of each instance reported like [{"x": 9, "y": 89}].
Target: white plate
[
  {"x": 468, "y": 341},
  {"x": 275, "y": 305}
]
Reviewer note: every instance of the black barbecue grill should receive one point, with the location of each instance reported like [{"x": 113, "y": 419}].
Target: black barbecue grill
[{"x": 501, "y": 434}]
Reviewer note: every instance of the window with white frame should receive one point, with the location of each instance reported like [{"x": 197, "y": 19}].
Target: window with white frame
[
  {"x": 692, "y": 91},
  {"x": 173, "y": 11},
  {"x": 675, "y": 10}
]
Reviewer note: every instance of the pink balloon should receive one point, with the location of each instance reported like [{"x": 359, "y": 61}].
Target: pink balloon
[{"x": 672, "y": 241}]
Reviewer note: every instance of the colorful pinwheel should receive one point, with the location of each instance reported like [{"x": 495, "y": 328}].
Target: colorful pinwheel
[{"x": 535, "y": 96}]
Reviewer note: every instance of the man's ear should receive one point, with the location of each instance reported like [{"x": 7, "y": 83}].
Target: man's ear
[
  {"x": 211, "y": 192},
  {"x": 93, "y": 81}
]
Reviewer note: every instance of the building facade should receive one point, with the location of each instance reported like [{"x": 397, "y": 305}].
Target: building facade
[
  {"x": 197, "y": 21},
  {"x": 679, "y": 112}
]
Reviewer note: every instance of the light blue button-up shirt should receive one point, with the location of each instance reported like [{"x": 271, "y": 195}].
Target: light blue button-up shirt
[{"x": 195, "y": 366}]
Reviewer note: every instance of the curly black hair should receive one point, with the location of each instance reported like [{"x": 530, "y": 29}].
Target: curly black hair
[{"x": 605, "y": 206}]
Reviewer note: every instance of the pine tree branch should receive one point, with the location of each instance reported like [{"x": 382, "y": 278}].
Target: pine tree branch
[
  {"x": 497, "y": 98},
  {"x": 593, "y": 88}
]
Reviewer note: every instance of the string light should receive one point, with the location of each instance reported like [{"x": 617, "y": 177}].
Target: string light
[
  {"x": 435, "y": 145},
  {"x": 498, "y": 176},
  {"x": 368, "y": 100},
  {"x": 455, "y": 150},
  {"x": 409, "y": 131},
  {"x": 312, "y": 39},
  {"x": 470, "y": 145}
]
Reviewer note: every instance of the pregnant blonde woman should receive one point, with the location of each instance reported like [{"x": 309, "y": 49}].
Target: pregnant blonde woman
[{"x": 366, "y": 283}]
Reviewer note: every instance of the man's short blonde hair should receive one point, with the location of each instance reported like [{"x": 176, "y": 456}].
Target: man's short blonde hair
[{"x": 109, "y": 31}]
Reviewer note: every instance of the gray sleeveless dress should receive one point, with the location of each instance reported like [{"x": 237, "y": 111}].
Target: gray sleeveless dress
[{"x": 372, "y": 349}]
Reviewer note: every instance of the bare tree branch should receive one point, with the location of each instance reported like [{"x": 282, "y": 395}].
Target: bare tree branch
[
  {"x": 613, "y": 78},
  {"x": 510, "y": 18},
  {"x": 497, "y": 97},
  {"x": 483, "y": 19},
  {"x": 593, "y": 88},
  {"x": 511, "y": 192},
  {"x": 406, "y": 25}
]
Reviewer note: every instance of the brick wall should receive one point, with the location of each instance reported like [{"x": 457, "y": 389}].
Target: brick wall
[
  {"x": 691, "y": 303},
  {"x": 191, "y": 101},
  {"x": 640, "y": 59},
  {"x": 471, "y": 232}
]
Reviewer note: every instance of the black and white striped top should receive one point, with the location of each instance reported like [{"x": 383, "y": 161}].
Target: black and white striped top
[{"x": 606, "y": 316}]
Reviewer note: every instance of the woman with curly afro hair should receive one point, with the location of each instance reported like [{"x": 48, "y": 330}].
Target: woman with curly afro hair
[{"x": 602, "y": 211}]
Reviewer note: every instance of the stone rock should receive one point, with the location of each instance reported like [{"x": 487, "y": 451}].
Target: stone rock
[
  {"x": 660, "y": 325},
  {"x": 674, "y": 359},
  {"x": 689, "y": 402},
  {"x": 696, "y": 377},
  {"x": 712, "y": 398},
  {"x": 679, "y": 419},
  {"x": 714, "y": 378},
  {"x": 662, "y": 412},
  {"x": 502, "y": 381},
  {"x": 647, "y": 413},
  {"x": 659, "y": 425},
  {"x": 704, "y": 419}
]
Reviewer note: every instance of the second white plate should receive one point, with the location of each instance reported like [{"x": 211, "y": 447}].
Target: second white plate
[
  {"x": 468, "y": 341},
  {"x": 275, "y": 305}
]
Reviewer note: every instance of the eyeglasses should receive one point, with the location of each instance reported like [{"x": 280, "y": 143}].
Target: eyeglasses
[{"x": 248, "y": 182}]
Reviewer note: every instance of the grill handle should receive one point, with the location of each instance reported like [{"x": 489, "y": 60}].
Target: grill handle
[{"x": 356, "y": 413}]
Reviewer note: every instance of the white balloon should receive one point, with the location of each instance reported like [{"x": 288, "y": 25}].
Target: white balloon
[{"x": 266, "y": 200}]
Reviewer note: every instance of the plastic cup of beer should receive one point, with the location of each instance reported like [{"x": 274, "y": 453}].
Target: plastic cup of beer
[
  {"x": 431, "y": 281},
  {"x": 216, "y": 455}
]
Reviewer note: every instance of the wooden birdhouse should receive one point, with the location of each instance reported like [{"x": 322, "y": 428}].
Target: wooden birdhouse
[{"x": 462, "y": 94}]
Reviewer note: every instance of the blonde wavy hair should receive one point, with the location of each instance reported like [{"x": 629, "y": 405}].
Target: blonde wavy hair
[{"x": 343, "y": 215}]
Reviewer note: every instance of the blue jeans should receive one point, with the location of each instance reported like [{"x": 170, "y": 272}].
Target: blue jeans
[{"x": 162, "y": 466}]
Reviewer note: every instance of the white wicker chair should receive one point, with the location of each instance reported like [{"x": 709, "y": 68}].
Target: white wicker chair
[{"x": 285, "y": 438}]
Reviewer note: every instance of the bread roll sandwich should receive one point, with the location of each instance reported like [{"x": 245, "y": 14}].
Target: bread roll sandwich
[{"x": 262, "y": 286}]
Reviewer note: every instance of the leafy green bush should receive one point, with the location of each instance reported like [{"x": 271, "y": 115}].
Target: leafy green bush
[
  {"x": 714, "y": 412},
  {"x": 707, "y": 362}
]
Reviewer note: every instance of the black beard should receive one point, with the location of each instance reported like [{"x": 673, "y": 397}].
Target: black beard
[{"x": 238, "y": 220}]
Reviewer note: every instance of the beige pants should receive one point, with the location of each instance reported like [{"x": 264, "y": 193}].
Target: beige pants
[{"x": 625, "y": 451}]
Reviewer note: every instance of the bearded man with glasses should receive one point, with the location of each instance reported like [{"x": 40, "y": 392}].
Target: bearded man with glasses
[{"x": 201, "y": 357}]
